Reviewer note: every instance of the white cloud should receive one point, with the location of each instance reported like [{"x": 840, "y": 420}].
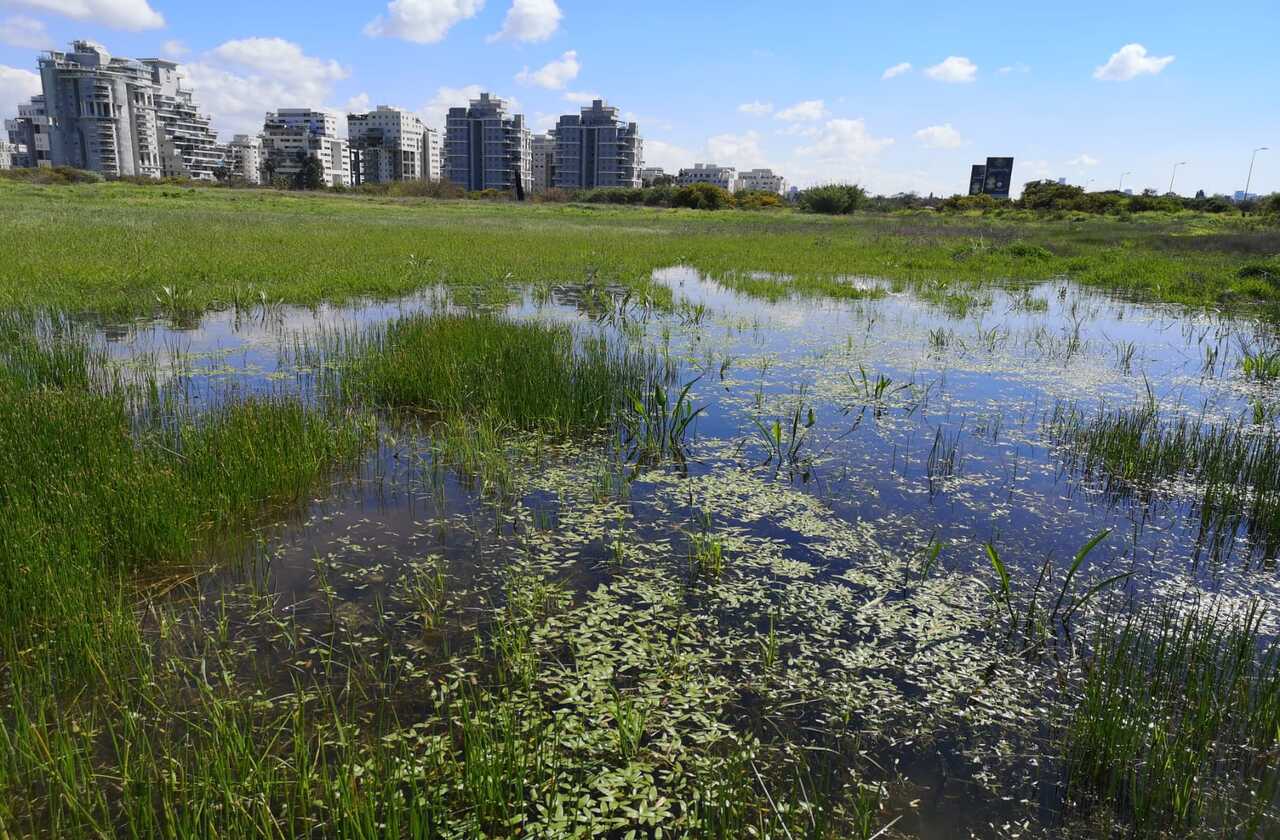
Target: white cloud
[
  {"x": 554, "y": 75},
  {"x": 358, "y": 104},
  {"x": 421, "y": 21},
  {"x": 1083, "y": 160},
  {"x": 756, "y": 109},
  {"x": 174, "y": 49},
  {"x": 25, "y": 32},
  {"x": 240, "y": 80},
  {"x": 16, "y": 87},
  {"x": 1019, "y": 67},
  {"x": 844, "y": 140},
  {"x": 940, "y": 137},
  {"x": 669, "y": 156},
  {"x": 742, "y": 151},
  {"x": 807, "y": 111},
  {"x": 1129, "y": 62},
  {"x": 530, "y": 20},
  {"x": 118, "y": 14},
  {"x": 579, "y": 97},
  {"x": 896, "y": 70},
  {"x": 955, "y": 69},
  {"x": 434, "y": 111}
]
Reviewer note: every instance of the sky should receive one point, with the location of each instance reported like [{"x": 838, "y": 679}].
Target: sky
[{"x": 897, "y": 96}]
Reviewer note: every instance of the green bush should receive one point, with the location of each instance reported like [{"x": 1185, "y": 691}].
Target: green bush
[
  {"x": 756, "y": 200},
  {"x": 53, "y": 175},
  {"x": 701, "y": 197},
  {"x": 962, "y": 203},
  {"x": 833, "y": 199}
]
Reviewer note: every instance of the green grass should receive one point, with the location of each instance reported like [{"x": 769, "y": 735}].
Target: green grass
[
  {"x": 1178, "y": 722},
  {"x": 115, "y": 248}
]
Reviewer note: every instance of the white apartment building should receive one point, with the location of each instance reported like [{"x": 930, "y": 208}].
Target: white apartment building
[
  {"x": 29, "y": 135},
  {"x": 544, "y": 161},
  {"x": 761, "y": 180},
  {"x": 244, "y": 158},
  {"x": 485, "y": 148},
  {"x": 724, "y": 177},
  {"x": 392, "y": 145},
  {"x": 188, "y": 145},
  {"x": 101, "y": 112},
  {"x": 596, "y": 149},
  {"x": 7, "y": 151},
  {"x": 650, "y": 174},
  {"x": 433, "y": 153},
  {"x": 291, "y": 135}
]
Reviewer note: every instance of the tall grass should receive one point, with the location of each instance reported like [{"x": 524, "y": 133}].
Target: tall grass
[
  {"x": 1235, "y": 471},
  {"x": 1178, "y": 722},
  {"x": 522, "y": 375}
]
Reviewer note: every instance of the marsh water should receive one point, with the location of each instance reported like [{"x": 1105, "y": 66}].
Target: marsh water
[{"x": 839, "y": 441}]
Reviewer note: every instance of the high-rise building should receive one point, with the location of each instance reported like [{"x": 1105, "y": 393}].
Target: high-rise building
[
  {"x": 291, "y": 135},
  {"x": 244, "y": 158},
  {"x": 101, "y": 111},
  {"x": 7, "y": 151},
  {"x": 29, "y": 135},
  {"x": 391, "y": 144},
  {"x": 485, "y": 148},
  {"x": 596, "y": 149},
  {"x": 650, "y": 174},
  {"x": 993, "y": 179},
  {"x": 761, "y": 180},
  {"x": 188, "y": 145},
  {"x": 544, "y": 161},
  {"x": 433, "y": 153},
  {"x": 724, "y": 177}
]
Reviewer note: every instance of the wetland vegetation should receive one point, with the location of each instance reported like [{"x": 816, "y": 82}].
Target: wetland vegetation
[{"x": 334, "y": 516}]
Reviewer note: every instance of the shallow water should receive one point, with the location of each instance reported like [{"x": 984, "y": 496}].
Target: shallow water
[{"x": 824, "y": 549}]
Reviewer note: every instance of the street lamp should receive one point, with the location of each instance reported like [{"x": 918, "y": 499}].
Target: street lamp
[
  {"x": 1249, "y": 180},
  {"x": 1122, "y": 174},
  {"x": 1175, "y": 172}
]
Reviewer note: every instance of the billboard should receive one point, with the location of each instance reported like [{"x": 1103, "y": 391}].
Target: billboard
[
  {"x": 977, "y": 179},
  {"x": 999, "y": 177}
]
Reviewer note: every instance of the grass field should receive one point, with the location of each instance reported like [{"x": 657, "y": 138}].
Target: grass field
[{"x": 124, "y": 249}]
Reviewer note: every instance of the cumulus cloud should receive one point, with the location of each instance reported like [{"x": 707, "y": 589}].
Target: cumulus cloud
[
  {"x": 756, "y": 109},
  {"x": 1019, "y": 67},
  {"x": 174, "y": 49},
  {"x": 554, "y": 75},
  {"x": 581, "y": 97},
  {"x": 530, "y": 21},
  {"x": 669, "y": 156},
  {"x": 896, "y": 70},
  {"x": 118, "y": 14},
  {"x": 358, "y": 104},
  {"x": 940, "y": 137},
  {"x": 954, "y": 69},
  {"x": 738, "y": 150},
  {"x": 808, "y": 111},
  {"x": 240, "y": 80},
  {"x": 25, "y": 32},
  {"x": 844, "y": 140},
  {"x": 1083, "y": 160},
  {"x": 421, "y": 21},
  {"x": 1131, "y": 61},
  {"x": 16, "y": 87}
]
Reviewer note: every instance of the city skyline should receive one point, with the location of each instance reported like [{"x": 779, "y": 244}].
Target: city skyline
[{"x": 1138, "y": 95}]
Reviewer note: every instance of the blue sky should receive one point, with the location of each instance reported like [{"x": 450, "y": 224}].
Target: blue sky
[{"x": 1087, "y": 90}]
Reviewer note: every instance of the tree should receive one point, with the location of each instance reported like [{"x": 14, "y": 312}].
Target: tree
[
  {"x": 833, "y": 199},
  {"x": 310, "y": 174}
]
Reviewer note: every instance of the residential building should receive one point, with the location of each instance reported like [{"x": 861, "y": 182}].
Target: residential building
[
  {"x": 761, "y": 180},
  {"x": 724, "y": 177},
  {"x": 391, "y": 145},
  {"x": 7, "y": 151},
  {"x": 544, "y": 161},
  {"x": 188, "y": 145},
  {"x": 485, "y": 148},
  {"x": 29, "y": 135},
  {"x": 432, "y": 153},
  {"x": 1239, "y": 196},
  {"x": 650, "y": 174},
  {"x": 101, "y": 112},
  {"x": 244, "y": 158},
  {"x": 291, "y": 135},
  {"x": 594, "y": 148}
]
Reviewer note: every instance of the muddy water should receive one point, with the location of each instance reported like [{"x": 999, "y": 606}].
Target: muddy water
[{"x": 903, "y": 420}]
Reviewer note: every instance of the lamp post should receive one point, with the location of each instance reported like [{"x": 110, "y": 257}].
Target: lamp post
[
  {"x": 1249, "y": 180},
  {"x": 1175, "y": 172},
  {"x": 1121, "y": 187}
]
